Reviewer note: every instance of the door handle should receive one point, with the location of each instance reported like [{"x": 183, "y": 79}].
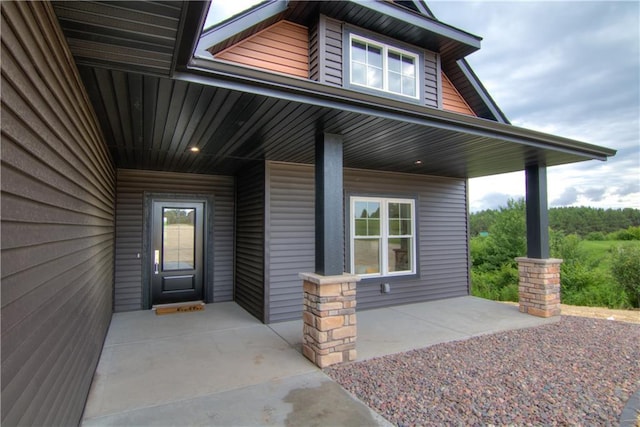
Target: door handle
[{"x": 156, "y": 262}]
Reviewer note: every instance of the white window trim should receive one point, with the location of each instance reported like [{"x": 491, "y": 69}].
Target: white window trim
[
  {"x": 385, "y": 67},
  {"x": 384, "y": 236}
]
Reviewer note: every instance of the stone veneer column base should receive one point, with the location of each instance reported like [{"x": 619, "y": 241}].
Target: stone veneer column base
[
  {"x": 539, "y": 286},
  {"x": 329, "y": 318}
]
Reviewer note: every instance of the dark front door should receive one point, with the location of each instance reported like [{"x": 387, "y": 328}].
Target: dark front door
[{"x": 177, "y": 245}]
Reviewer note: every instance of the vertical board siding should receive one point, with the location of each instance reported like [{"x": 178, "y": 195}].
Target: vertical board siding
[
  {"x": 442, "y": 236},
  {"x": 452, "y": 100},
  {"x": 430, "y": 79},
  {"x": 58, "y": 188},
  {"x": 131, "y": 186},
  {"x": 250, "y": 195},
  {"x": 283, "y": 47},
  {"x": 290, "y": 236}
]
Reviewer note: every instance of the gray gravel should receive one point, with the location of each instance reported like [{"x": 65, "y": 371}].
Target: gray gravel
[{"x": 577, "y": 371}]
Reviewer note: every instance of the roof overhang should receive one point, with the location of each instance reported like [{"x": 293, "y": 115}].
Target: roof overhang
[
  {"x": 236, "y": 114},
  {"x": 382, "y": 17}
]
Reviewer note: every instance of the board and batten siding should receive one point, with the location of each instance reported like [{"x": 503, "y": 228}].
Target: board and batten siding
[
  {"x": 58, "y": 187},
  {"x": 131, "y": 188},
  {"x": 249, "y": 244},
  {"x": 283, "y": 47},
  {"x": 442, "y": 236}
]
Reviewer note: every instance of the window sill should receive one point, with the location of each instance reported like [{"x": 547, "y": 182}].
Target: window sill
[{"x": 377, "y": 280}]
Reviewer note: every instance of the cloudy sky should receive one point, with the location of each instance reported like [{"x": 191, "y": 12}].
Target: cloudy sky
[{"x": 569, "y": 68}]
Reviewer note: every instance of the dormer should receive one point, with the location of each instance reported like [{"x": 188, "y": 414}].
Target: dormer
[{"x": 394, "y": 50}]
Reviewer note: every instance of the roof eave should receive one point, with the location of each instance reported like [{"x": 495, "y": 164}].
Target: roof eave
[
  {"x": 237, "y": 24},
  {"x": 231, "y": 76},
  {"x": 423, "y": 22}
]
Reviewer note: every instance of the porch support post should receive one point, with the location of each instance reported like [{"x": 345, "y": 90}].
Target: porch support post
[
  {"x": 329, "y": 316},
  {"x": 537, "y": 212},
  {"x": 539, "y": 284},
  {"x": 329, "y": 205}
]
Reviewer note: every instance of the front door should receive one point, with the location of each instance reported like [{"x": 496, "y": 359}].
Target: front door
[{"x": 177, "y": 245}]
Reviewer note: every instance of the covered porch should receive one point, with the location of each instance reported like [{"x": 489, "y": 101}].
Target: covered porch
[{"x": 222, "y": 366}]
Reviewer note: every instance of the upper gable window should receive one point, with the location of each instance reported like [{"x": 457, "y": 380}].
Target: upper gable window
[{"x": 379, "y": 66}]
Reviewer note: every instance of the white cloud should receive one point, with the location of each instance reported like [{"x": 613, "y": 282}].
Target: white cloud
[
  {"x": 567, "y": 68},
  {"x": 219, "y": 10}
]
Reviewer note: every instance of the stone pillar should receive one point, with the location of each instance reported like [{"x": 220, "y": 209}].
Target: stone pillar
[
  {"x": 329, "y": 318},
  {"x": 539, "y": 287}
]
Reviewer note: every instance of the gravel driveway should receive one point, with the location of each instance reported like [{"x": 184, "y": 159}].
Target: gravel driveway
[{"x": 578, "y": 371}]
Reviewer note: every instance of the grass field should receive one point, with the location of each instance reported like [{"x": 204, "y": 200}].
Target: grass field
[{"x": 599, "y": 252}]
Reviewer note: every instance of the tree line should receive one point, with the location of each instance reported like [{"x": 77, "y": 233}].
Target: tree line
[{"x": 582, "y": 221}]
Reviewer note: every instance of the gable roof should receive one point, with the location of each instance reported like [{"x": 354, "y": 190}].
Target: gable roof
[
  {"x": 393, "y": 20},
  {"x": 149, "y": 112}
]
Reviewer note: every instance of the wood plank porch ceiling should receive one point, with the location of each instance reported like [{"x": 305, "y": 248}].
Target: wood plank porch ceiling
[
  {"x": 151, "y": 122},
  {"x": 128, "y": 53}
]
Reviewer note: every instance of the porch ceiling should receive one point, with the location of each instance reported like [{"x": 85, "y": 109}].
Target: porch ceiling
[
  {"x": 128, "y": 53},
  {"x": 151, "y": 122}
]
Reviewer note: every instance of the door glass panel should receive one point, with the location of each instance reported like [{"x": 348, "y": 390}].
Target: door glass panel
[{"x": 178, "y": 238}]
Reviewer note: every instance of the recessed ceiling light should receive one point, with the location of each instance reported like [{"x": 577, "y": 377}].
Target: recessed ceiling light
[
  {"x": 194, "y": 149},
  {"x": 417, "y": 162}
]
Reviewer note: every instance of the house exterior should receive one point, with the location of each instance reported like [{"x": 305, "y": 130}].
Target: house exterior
[{"x": 144, "y": 162}]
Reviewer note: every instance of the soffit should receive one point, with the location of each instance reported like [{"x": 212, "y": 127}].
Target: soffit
[
  {"x": 136, "y": 36},
  {"x": 150, "y": 122}
]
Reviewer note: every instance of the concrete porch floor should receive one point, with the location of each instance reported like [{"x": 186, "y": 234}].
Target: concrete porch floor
[{"x": 221, "y": 366}]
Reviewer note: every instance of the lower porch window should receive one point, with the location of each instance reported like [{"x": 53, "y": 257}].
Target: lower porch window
[{"x": 382, "y": 236}]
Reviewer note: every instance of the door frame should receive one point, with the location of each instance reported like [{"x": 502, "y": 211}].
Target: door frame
[{"x": 147, "y": 235}]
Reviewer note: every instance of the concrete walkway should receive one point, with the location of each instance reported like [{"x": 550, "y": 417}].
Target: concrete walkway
[{"x": 221, "y": 366}]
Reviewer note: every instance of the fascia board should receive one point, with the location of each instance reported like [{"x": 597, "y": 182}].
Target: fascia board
[
  {"x": 423, "y": 22},
  {"x": 236, "y": 25},
  {"x": 218, "y": 74},
  {"x": 482, "y": 91}
]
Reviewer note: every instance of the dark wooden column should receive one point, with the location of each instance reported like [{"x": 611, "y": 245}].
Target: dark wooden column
[
  {"x": 329, "y": 205},
  {"x": 537, "y": 212}
]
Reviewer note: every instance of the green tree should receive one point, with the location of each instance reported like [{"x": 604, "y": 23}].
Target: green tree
[
  {"x": 625, "y": 267},
  {"x": 507, "y": 235}
]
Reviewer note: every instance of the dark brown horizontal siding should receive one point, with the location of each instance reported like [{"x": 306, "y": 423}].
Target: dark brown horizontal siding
[
  {"x": 452, "y": 100},
  {"x": 442, "y": 234},
  {"x": 283, "y": 47},
  {"x": 250, "y": 195},
  {"x": 58, "y": 190},
  {"x": 131, "y": 186}
]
